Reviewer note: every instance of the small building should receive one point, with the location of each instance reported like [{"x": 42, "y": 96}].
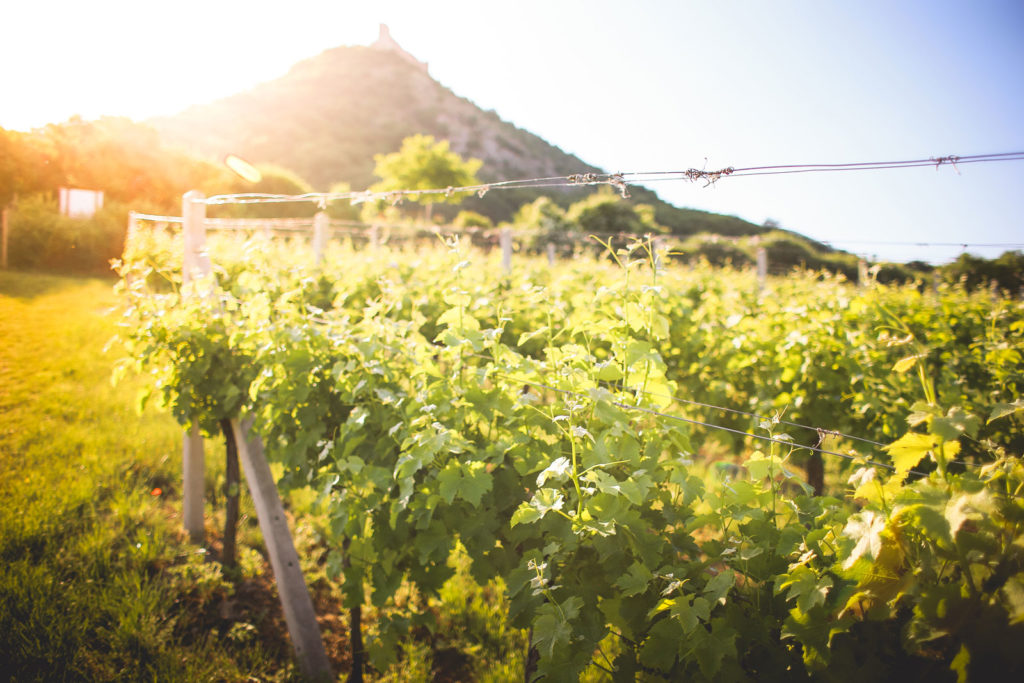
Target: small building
[{"x": 80, "y": 203}]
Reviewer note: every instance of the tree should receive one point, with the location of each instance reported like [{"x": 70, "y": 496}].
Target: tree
[
  {"x": 342, "y": 209},
  {"x": 605, "y": 213},
  {"x": 472, "y": 219},
  {"x": 425, "y": 164},
  {"x": 546, "y": 222}
]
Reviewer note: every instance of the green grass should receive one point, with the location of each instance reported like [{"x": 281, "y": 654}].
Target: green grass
[{"x": 97, "y": 579}]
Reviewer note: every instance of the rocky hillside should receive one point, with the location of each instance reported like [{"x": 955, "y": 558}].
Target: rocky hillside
[{"x": 328, "y": 116}]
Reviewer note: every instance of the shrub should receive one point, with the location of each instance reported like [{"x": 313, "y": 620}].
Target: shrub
[{"x": 41, "y": 238}]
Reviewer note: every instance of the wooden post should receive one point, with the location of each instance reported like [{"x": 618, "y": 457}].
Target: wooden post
[
  {"x": 321, "y": 222},
  {"x": 193, "y": 464},
  {"x": 506, "y": 250},
  {"x": 3, "y": 237},
  {"x": 196, "y": 263},
  {"x": 129, "y": 236},
  {"x": 862, "y": 273},
  {"x": 762, "y": 268},
  {"x": 658, "y": 249},
  {"x": 291, "y": 586},
  {"x": 375, "y": 237},
  {"x": 551, "y": 253}
]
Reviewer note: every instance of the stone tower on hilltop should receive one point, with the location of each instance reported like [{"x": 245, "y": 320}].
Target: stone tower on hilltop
[{"x": 386, "y": 42}]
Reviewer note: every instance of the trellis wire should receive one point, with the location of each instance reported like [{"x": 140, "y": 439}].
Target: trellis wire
[{"x": 620, "y": 181}]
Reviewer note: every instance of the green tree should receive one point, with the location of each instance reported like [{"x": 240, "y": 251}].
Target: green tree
[
  {"x": 1007, "y": 271},
  {"x": 342, "y": 209},
  {"x": 546, "y": 222},
  {"x": 605, "y": 212},
  {"x": 472, "y": 219},
  {"x": 425, "y": 164}
]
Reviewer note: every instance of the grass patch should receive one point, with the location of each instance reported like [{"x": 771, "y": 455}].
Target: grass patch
[{"x": 98, "y": 580}]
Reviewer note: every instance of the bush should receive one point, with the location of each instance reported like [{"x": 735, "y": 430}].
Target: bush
[
  {"x": 472, "y": 219},
  {"x": 41, "y": 238},
  {"x": 719, "y": 254}
]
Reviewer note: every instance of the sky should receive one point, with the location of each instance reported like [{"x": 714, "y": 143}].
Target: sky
[{"x": 629, "y": 87}]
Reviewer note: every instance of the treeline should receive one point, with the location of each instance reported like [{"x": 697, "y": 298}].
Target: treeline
[
  {"x": 129, "y": 163},
  {"x": 135, "y": 170}
]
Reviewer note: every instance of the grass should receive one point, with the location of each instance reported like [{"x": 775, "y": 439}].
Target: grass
[{"x": 97, "y": 579}]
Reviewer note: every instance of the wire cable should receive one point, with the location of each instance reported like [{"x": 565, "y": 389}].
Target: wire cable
[{"x": 618, "y": 180}]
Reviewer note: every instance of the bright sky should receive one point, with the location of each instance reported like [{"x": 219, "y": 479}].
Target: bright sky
[{"x": 638, "y": 86}]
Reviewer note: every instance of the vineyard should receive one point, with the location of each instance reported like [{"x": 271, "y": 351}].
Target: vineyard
[{"x": 671, "y": 472}]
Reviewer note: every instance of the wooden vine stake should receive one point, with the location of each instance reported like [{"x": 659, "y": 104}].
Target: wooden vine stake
[
  {"x": 762, "y": 268},
  {"x": 506, "y": 250},
  {"x": 321, "y": 222},
  {"x": 291, "y": 586},
  {"x": 195, "y": 265}
]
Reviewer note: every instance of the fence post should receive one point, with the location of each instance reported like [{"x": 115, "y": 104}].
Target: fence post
[
  {"x": 862, "y": 273},
  {"x": 193, "y": 464},
  {"x": 320, "y": 224},
  {"x": 129, "y": 237},
  {"x": 193, "y": 214},
  {"x": 375, "y": 237},
  {"x": 658, "y": 249},
  {"x": 551, "y": 253},
  {"x": 506, "y": 250},
  {"x": 3, "y": 237},
  {"x": 291, "y": 586},
  {"x": 195, "y": 264},
  {"x": 762, "y": 268}
]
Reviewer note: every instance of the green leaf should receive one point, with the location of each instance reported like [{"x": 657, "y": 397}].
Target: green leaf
[
  {"x": 551, "y": 628},
  {"x": 806, "y": 588},
  {"x": 476, "y": 481},
  {"x": 449, "y": 478},
  {"x": 1013, "y": 598},
  {"x": 905, "y": 364},
  {"x": 761, "y": 467},
  {"x": 527, "y": 336},
  {"x": 543, "y": 501},
  {"x": 930, "y": 521},
  {"x": 956, "y": 422},
  {"x": 719, "y": 585},
  {"x": 635, "y": 580},
  {"x": 719, "y": 644},
  {"x": 960, "y": 664},
  {"x": 525, "y": 514},
  {"x": 662, "y": 643},
  {"x": 608, "y": 371},
  {"x": 810, "y": 633},
  {"x": 909, "y": 449},
  {"x": 690, "y": 611},
  {"x": 557, "y": 471},
  {"x": 866, "y": 529},
  {"x": 1003, "y": 409},
  {"x": 968, "y": 506}
]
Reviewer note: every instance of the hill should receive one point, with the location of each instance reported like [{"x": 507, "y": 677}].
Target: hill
[{"x": 328, "y": 116}]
